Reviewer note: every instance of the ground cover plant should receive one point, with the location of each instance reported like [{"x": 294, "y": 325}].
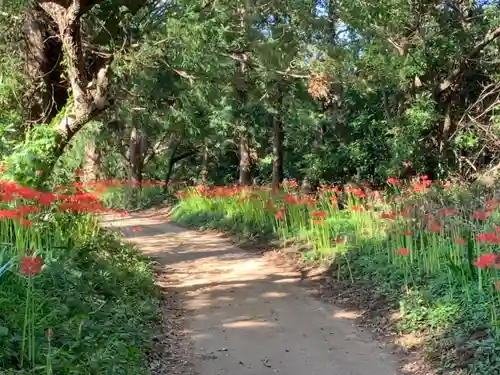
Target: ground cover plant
[
  {"x": 73, "y": 298},
  {"x": 428, "y": 247}
]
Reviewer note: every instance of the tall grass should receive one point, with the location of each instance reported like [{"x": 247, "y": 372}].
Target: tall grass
[
  {"x": 73, "y": 299},
  {"x": 431, "y": 247}
]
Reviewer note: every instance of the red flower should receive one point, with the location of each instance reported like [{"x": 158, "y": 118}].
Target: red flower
[
  {"x": 485, "y": 260},
  {"x": 434, "y": 228},
  {"x": 481, "y": 215},
  {"x": 448, "y": 212},
  {"x": 318, "y": 214},
  {"x": 402, "y": 251},
  {"x": 30, "y": 265},
  {"x": 338, "y": 240},
  {"x": 136, "y": 229},
  {"x": 387, "y": 215},
  {"x": 25, "y": 222},
  {"x": 392, "y": 181},
  {"x": 459, "y": 241},
  {"x": 406, "y": 233},
  {"x": 490, "y": 238}
]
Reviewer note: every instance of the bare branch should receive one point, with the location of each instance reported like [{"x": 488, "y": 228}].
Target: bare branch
[
  {"x": 490, "y": 36},
  {"x": 239, "y": 58}
]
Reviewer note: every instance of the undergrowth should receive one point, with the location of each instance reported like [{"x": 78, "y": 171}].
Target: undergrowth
[{"x": 93, "y": 308}]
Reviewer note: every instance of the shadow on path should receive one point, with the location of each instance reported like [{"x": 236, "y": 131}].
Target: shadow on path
[{"x": 248, "y": 316}]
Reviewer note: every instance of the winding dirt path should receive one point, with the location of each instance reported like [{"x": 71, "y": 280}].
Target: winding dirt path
[{"x": 248, "y": 316}]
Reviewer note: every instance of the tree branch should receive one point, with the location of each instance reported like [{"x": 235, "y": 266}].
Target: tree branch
[
  {"x": 239, "y": 58},
  {"x": 182, "y": 156},
  {"x": 491, "y": 35}
]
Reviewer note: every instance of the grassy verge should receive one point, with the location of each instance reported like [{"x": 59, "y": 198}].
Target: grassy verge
[
  {"x": 425, "y": 251},
  {"x": 73, "y": 299}
]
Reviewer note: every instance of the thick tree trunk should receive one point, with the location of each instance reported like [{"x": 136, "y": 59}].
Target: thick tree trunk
[
  {"x": 52, "y": 27},
  {"x": 49, "y": 91}
]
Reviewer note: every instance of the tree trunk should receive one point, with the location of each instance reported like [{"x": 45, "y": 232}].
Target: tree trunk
[
  {"x": 91, "y": 162},
  {"x": 52, "y": 27},
  {"x": 137, "y": 153},
  {"x": 245, "y": 162},
  {"x": 204, "y": 166},
  {"x": 277, "y": 177},
  {"x": 172, "y": 161}
]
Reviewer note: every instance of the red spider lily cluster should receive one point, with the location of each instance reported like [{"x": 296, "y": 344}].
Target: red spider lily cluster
[
  {"x": 413, "y": 219},
  {"x": 30, "y": 265},
  {"x": 21, "y": 205}
]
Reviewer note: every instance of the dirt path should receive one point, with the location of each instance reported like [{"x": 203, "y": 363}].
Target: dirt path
[{"x": 248, "y": 316}]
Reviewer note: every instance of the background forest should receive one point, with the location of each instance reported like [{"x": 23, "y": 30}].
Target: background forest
[{"x": 224, "y": 91}]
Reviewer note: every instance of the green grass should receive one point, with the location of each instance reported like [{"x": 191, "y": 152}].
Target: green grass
[
  {"x": 416, "y": 247},
  {"x": 99, "y": 303},
  {"x": 90, "y": 309}
]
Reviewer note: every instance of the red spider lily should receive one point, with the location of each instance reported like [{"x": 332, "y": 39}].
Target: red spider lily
[
  {"x": 448, "y": 212},
  {"x": 46, "y": 199},
  {"x": 402, "y": 251},
  {"x": 491, "y": 204},
  {"x": 123, "y": 214},
  {"x": 392, "y": 181},
  {"x": 30, "y": 265},
  {"x": 6, "y": 214},
  {"x": 387, "y": 215},
  {"x": 25, "y": 222},
  {"x": 458, "y": 241},
  {"x": 434, "y": 228},
  {"x": 279, "y": 215},
  {"x": 7, "y": 198},
  {"x": 136, "y": 229},
  {"x": 289, "y": 199},
  {"x": 480, "y": 215},
  {"x": 420, "y": 186},
  {"x": 496, "y": 229},
  {"x": 485, "y": 261},
  {"x": 405, "y": 213},
  {"x": 406, "y": 233},
  {"x": 318, "y": 214},
  {"x": 356, "y": 208},
  {"x": 338, "y": 240},
  {"x": 490, "y": 238}
]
